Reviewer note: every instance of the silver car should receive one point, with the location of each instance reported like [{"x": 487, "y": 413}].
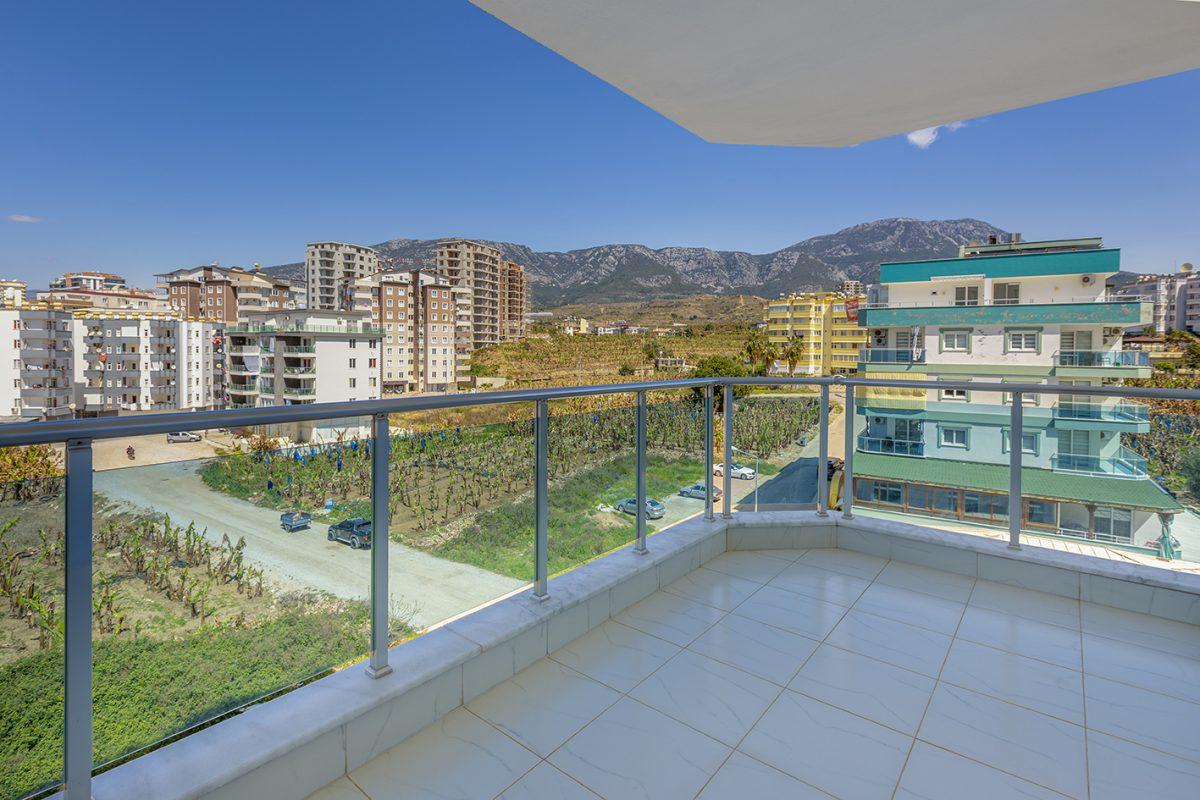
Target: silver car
[{"x": 183, "y": 436}]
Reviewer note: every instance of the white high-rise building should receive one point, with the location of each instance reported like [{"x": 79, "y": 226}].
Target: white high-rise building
[
  {"x": 330, "y": 270},
  {"x": 36, "y": 368}
]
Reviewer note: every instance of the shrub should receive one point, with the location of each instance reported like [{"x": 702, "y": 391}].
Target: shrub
[{"x": 1189, "y": 467}]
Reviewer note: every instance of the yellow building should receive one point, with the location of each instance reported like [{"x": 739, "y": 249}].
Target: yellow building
[{"x": 829, "y": 340}]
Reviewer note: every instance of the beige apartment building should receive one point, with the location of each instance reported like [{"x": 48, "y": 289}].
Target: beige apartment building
[
  {"x": 828, "y": 336},
  {"x": 12, "y": 293},
  {"x": 474, "y": 266},
  {"x": 422, "y": 317},
  {"x": 514, "y": 301},
  {"x": 84, "y": 290},
  {"x": 330, "y": 270},
  {"x": 224, "y": 294}
]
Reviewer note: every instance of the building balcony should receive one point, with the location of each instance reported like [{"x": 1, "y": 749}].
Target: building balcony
[
  {"x": 1124, "y": 464},
  {"x": 301, "y": 349},
  {"x": 890, "y": 446},
  {"x": 1102, "y": 358},
  {"x": 883, "y": 355},
  {"x": 1099, "y": 311},
  {"x": 299, "y": 391},
  {"x": 1120, "y": 411}
]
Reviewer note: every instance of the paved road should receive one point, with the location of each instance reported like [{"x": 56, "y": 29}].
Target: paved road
[{"x": 433, "y": 589}]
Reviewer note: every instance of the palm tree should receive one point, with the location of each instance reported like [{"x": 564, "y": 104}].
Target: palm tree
[
  {"x": 758, "y": 349},
  {"x": 792, "y": 352}
]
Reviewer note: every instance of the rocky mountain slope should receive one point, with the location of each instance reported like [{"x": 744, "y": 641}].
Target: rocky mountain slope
[{"x": 616, "y": 272}]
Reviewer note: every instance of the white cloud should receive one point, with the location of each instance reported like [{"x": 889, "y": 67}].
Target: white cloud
[
  {"x": 22, "y": 218},
  {"x": 927, "y": 136}
]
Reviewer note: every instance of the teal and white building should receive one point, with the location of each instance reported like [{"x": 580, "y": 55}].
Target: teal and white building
[{"x": 1027, "y": 312}]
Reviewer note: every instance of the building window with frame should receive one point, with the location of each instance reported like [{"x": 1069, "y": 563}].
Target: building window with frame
[
  {"x": 956, "y": 341},
  {"x": 1029, "y": 442},
  {"x": 1006, "y": 294},
  {"x": 966, "y": 295},
  {"x": 957, "y": 395},
  {"x": 1022, "y": 342},
  {"x": 954, "y": 436}
]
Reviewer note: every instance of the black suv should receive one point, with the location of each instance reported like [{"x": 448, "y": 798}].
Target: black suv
[{"x": 355, "y": 532}]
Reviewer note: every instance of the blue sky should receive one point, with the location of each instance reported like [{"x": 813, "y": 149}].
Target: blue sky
[{"x": 140, "y": 137}]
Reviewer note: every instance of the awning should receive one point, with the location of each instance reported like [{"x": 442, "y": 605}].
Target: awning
[{"x": 834, "y": 72}]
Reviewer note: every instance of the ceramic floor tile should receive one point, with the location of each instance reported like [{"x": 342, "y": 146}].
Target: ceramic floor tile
[
  {"x": 671, "y": 617},
  {"x": 341, "y": 789},
  {"x": 633, "y": 751},
  {"x": 1027, "y": 603},
  {"x": 747, "y": 564},
  {"x": 810, "y": 581},
  {"x": 1141, "y": 666},
  {"x": 757, "y": 648},
  {"x": 914, "y": 608},
  {"x": 792, "y": 612},
  {"x": 844, "y": 755},
  {"x": 1148, "y": 718},
  {"x": 849, "y": 562},
  {"x": 786, "y": 555},
  {"x": 543, "y": 706},
  {"x": 908, "y": 646},
  {"x": 544, "y": 782},
  {"x": 880, "y": 692},
  {"x": 1142, "y": 629},
  {"x": 1121, "y": 770},
  {"x": 616, "y": 655},
  {"x": 713, "y": 588},
  {"x": 460, "y": 756},
  {"x": 1026, "y": 682},
  {"x": 945, "y": 585},
  {"x": 1039, "y": 748},
  {"x": 936, "y": 774},
  {"x": 714, "y": 698},
  {"x": 743, "y": 778},
  {"x": 1022, "y": 636}
]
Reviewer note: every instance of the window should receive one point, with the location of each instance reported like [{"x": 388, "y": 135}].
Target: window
[
  {"x": 953, "y": 436},
  {"x": 966, "y": 295},
  {"x": 1040, "y": 512},
  {"x": 879, "y": 491},
  {"x": 956, "y": 341},
  {"x": 959, "y": 395},
  {"x": 353, "y": 382},
  {"x": 1021, "y": 341},
  {"x": 1114, "y": 523},
  {"x": 1029, "y": 442},
  {"x": 1006, "y": 294},
  {"x": 1076, "y": 340},
  {"x": 353, "y": 363}
]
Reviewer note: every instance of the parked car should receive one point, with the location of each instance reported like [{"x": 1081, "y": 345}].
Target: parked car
[
  {"x": 654, "y": 509},
  {"x": 737, "y": 471},
  {"x": 292, "y": 521},
  {"x": 183, "y": 436},
  {"x": 355, "y": 532},
  {"x": 697, "y": 491}
]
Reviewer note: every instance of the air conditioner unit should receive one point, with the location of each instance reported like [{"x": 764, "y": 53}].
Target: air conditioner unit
[
  {"x": 879, "y": 333},
  {"x": 1087, "y": 279},
  {"x": 1111, "y": 332}
]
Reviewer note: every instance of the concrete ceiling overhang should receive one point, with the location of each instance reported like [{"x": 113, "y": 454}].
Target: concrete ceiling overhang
[{"x": 838, "y": 72}]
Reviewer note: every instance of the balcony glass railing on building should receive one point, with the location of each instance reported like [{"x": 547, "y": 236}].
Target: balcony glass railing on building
[
  {"x": 890, "y": 446},
  {"x": 1121, "y": 411},
  {"x": 1123, "y": 463},
  {"x": 1102, "y": 358},
  {"x": 885, "y": 355}
]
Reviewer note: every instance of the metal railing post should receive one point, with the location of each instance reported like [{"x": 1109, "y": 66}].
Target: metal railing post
[
  {"x": 541, "y": 502},
  {"x": 708, "y": 453},
  {"x": 726, "y": 472},
  {"x": 847, "y": 494},
  {"x": 77, "y": 690},
  {"x": 640, "y": 547},
  {"x": 1014, "y": 472},
  {"x": 823, "y": 456},
  {"x": 381, "y": 442}
]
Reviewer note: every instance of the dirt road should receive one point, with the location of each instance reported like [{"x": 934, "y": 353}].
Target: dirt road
[{"x": 436, "y": 588}]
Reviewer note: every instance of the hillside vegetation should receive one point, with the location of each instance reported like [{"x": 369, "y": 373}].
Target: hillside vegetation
[{"x": 738, "y": 309}]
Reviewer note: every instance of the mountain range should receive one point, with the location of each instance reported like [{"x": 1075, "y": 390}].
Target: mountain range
[{"x": 616, "y": 272}]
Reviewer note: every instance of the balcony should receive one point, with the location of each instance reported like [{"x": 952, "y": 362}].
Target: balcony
[
  {"x": 1125, "y": 464},
  {"x": 1102, "y": 358},
  {"x": 890, "y": 446},
  {"x": 883, "y": 355},
  {"x": 1121, "y": 411}
]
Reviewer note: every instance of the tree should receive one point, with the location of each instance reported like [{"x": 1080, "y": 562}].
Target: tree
[
  {"x": 720, "y": 367},
  {"x": 1189, "y": 467},
  {"x": 759, "y": 350},
  {"x": 792, "y": 352},
  {"x": 1191, "y": 356}
]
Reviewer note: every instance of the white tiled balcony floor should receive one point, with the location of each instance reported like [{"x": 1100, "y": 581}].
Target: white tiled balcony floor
[{"x": 827, "y": 673}]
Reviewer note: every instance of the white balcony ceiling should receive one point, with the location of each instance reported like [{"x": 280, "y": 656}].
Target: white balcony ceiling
[{"x": 838, "y": 72}]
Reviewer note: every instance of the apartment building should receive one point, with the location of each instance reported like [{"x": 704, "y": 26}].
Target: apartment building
[
  {"x": 224, "y": 294},
  {"x": 36, "y": 363},
  {"x": 12, "y": 293},
  {"x": 476, "y": 267},
  {"x": 514, "y": 302},
  {"x": 145, "y": 361},
  {"x": 1030, "y": 312},
  {"x": 826, "y": 331},
  {"x": 330, "y": 270},
  {"x": 301, "y": 356},
  {"x": 420, "y": 316},
  {"x": 95, "y": 281},
  {"x": 850, "y": 287},
  {"x": 1176, "y": 298}
]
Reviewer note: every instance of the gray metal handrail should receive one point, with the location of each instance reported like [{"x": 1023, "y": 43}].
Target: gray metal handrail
[{"x": 79, "y": 434}]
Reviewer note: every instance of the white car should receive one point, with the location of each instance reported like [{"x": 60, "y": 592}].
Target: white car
[
  {"x": 737, "y": 471},
  {"x": 183, "y": 436}
]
